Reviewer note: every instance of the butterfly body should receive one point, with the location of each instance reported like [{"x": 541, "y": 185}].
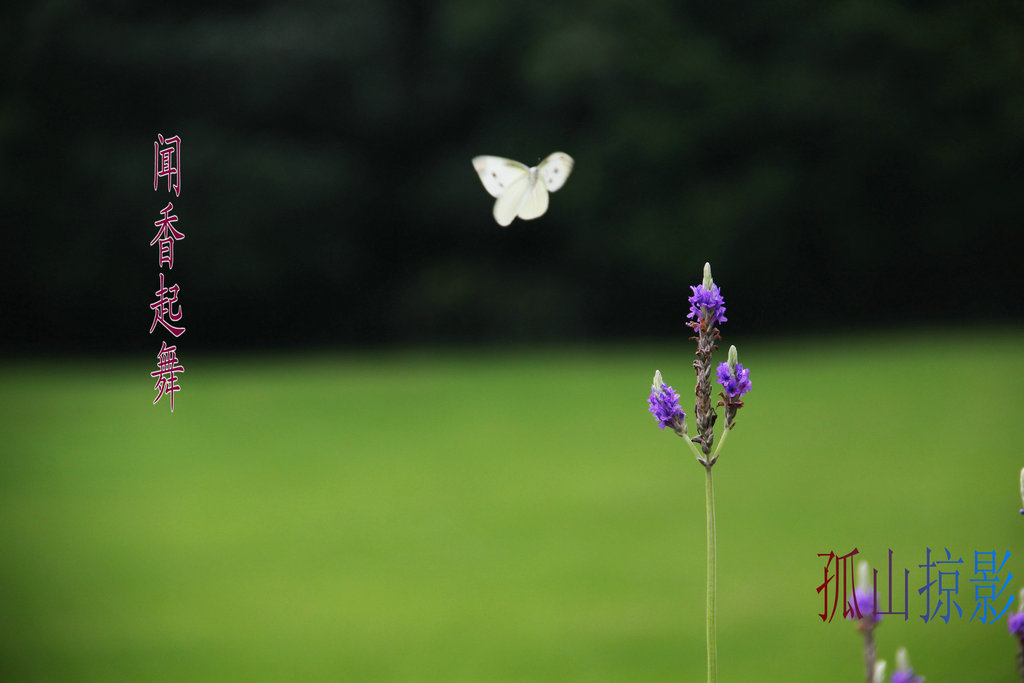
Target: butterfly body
[{"x": 519, "y": 190}]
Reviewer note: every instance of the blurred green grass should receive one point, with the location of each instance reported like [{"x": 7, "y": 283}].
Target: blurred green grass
[{"x": 507, "y": 515}]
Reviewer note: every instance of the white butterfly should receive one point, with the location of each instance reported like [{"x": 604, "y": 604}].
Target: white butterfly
[{"x": 522, "y": 191}]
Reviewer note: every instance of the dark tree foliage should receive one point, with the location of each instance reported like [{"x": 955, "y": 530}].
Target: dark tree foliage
[{"x": 839, "y": 163}]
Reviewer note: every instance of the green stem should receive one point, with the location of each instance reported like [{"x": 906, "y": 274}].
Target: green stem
[
  {"x": 711, "y": 635},
  {"x": 869, "y": 653},
  {"x": 693, "y": 447},
  {"x": 718, "y": 448},
  {"x": 1020, "y": 658}
]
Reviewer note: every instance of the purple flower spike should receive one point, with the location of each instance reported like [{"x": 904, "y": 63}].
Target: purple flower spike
[
  {"x": 904, "y": 673},
  {"x": 866, "y": 604},
  {"x": 664, "y": 405},
  {"x": 709, "y": 300},
  {"x": 1016, "y": 624},
  {"x": 864, "y": 597},
  {"x": 737, "y": 384}
]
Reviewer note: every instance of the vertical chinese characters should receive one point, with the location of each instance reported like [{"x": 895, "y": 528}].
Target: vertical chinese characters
[{"x": 166, "y": 309}]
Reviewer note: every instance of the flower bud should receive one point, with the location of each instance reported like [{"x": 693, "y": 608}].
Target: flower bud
[
  {"x": 707, "y": 276},
  {"x": 904, "y": 672},
  {"x": 664, "y": 405},
  {"x": 863, "y": 576},
  {"x": 1022, "y": 489},
  {"x": 902, "y": 660},
  {"x": 1016, "y": 621}
]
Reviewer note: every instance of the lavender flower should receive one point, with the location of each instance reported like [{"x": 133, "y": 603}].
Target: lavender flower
[
  {"x": 707, "y": 304},
  {"x": 1016, "y": 624},
  {"x": 865, "y": 599},
  {"x": 707, "y": 310},
  {"x": 864, "y": 595},
  {"x": 706, "y": 307},
  {"x": 664, "y": 405},
  {"x": 1016, "y": 621},
  {"x": 735, "y": 380},
  {"x": 904, "y": 673}
]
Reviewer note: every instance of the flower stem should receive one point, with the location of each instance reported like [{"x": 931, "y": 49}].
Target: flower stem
[
  {"x": 696, "y": 451},
  {"x": 869, "y": 654},
  {"x": 711, "y": 616},
  {"x": 1020, "y": 658},
  {"x": 721, "y": 440}
]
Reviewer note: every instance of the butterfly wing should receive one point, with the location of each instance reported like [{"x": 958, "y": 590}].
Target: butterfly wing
[
  {"x": 535, "y": 203},
  {"x": 498, "y": 174},
  {"x": 512, "y": 199},
  {"x": 555, "y": 170}
]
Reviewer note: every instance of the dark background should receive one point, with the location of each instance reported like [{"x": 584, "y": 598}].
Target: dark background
[{"x": 841, "y": 164}]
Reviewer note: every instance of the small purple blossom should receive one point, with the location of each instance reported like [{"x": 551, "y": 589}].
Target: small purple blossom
[
  {"x": 707, "y": 299},
  {"x": 904, "y": 672},
  {"x": 1016, "y": 624},
  {"x": 664, "y": 405},
  {"x": 866, "y": 604},
  {"x": 735, "y": 384},
  {"x": 905, "y": 677}
]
